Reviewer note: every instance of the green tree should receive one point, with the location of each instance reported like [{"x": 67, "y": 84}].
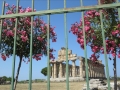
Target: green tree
[
  {"x": 4, "y": 77},
  {"x": 9, "y": 79},
  {"x": 44, "y": 71},
  {"x": 23, "y": 33},
  {"x": 111, "y": 26}
]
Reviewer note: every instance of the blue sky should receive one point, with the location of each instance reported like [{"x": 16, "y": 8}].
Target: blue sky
[{"x": 57, "y": 21}]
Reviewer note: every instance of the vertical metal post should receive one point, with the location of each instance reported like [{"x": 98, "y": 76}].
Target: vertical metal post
[
  {"x": 48, "y": 47},
  {"x": 3, "y": 9},
  {"x": 85, "y": 49},
  {"x": 66, "y": 45},
  {"x": 104, "y": 44},
  {"x": 31, "y": 47},
  {"x": 118, "y": 10},
  {"x": 14, "y": 50}
]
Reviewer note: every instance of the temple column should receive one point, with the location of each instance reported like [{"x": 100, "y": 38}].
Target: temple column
[
  {"x": 73, "y": 68},
  {"x": 77, "y": 71},
  {"x": 52, "y": 70},
  {"x": 88, "y": 69},
  {"x": 71, "y": 71},
  {"x": 64, "y": 68},
  {"x": 55, "y": 70},
  {"x": 60, "y": 70},
  {"x": 96, "y": 71},
  {"x": 104, "y": 72},
  {"x": 84, "y": 73},
  {"x": 81, "y": 67},
  {"x": 101, "y": 72},
  {"x": 91, "y": 71}
]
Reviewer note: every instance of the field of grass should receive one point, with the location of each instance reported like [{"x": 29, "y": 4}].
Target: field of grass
[
  {"x": 43, "y": 86},
  {"x": 53, "y": 86}
]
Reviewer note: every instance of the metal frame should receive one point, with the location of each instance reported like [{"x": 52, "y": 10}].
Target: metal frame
[{"x": 48, "y": 12}]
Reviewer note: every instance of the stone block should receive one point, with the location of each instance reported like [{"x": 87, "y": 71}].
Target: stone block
[{"x": 102, "y": 88}]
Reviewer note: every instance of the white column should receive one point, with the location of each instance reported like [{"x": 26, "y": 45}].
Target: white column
[
  {"x": 55, "y": 75},
  {"x": 81, "y": 67},
  {"x": 73, "y": 68},
  {"x": 77, "y": 71},
  {"x": 90, "y": 70},
  {"x": 104, "y": 72},
  {"x": 60, "y": 70},
  {"x": 52, "y": 70},
  {"x": 70, "y": 71}
]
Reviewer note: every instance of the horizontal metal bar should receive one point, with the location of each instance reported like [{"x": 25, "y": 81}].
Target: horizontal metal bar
[{"x": 63, "y": 10}]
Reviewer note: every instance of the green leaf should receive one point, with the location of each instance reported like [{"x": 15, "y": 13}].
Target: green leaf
[{"x": 18, "y": 38}]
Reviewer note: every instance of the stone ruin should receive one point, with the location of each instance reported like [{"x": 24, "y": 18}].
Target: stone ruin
[
  {"x": 76, "y": 73},
  {"x": 99, "y": 84}
]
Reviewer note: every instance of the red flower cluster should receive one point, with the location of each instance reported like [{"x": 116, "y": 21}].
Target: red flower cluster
[
  {"x": 23, "y": 35},
  {"x": 93, "y": 32}
]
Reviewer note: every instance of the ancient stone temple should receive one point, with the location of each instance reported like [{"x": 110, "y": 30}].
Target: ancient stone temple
[{"x": 76, "y": 73}]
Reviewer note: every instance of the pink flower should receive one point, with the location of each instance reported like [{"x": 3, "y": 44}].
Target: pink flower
[
  {"x": 53, "y": 40},
  {"x": 117, "y": 31},
  {"x": 113, "y": 33},
  {"x": 118, "y": 25},
  {"x": 3, "y": 57},
  {"x": 113, "y": 54},
  {"x": 39, "y": 38},
  {"x": 20, "y": 7},
  {"x": 97, "y": 14},
  {"x": 87, "y": 28},
  {"x": 23, "y": 32},
  {"x": 76, "y": 29},
  {"x": 6, "y": 4},
  {"x": 24, "y": 38},
  {"x": 87, "y": 22},
  {"x": 9, "y": 12},
  {"x": 94, "y": 37},
  {"x": 80, "y": 40},
  {"x": 4, "y": 24},
  {"x": 13, "y": 6},
  {"x": 9, "y": 33},
  {"x": 28, "y": 9},
  {"x": 21, "y": 11},
  {"x": 119, "y": 55},
  {"x": 93, "y": 57},
  {"x": 38, "y": 55}
]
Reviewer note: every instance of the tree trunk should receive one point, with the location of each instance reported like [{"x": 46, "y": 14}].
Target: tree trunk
[
  {"x": 18, "y": 70},
  {"x": 115, "y": 74}
]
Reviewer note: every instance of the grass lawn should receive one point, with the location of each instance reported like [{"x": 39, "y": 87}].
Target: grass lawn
[{"x": 43, "y": 86}]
